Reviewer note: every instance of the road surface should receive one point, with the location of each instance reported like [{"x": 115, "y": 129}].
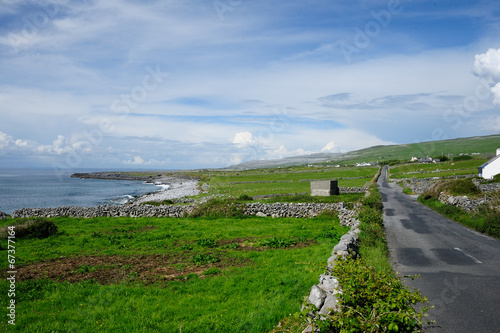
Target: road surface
[{"x": 460, "y": 268}]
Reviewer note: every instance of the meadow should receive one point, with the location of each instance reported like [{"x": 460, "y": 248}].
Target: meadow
[
  {"x": 284, "y": 180},
  {"x": 443, "y": 169},
  {"x": 168, "y": 274}
]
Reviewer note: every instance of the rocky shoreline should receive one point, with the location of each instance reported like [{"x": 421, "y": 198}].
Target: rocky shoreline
[{"x": 173, "y": 187}]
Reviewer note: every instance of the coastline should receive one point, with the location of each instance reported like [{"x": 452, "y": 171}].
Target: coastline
[{"x": 174, "y": 187}]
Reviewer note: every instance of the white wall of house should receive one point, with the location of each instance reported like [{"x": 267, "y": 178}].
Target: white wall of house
[{"x": 492, "y": 168}]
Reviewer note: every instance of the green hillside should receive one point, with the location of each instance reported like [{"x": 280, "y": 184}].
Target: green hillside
[{"x": 483, "y": 145}]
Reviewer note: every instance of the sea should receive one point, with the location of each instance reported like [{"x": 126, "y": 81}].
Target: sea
[{"x": 37, "y": 188}]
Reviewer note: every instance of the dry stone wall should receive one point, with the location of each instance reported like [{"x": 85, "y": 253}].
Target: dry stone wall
[
  {"x": 462, "y": 202},
  {"x": 258, "y": 209},
  {"x": 324, "y": 295}
]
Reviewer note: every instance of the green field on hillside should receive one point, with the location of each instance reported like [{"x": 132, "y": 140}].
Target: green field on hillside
[
  {"x": 284, "y": 181},
  {"x": 443, "y": 169},
  {"x": 484, "y": 145}
]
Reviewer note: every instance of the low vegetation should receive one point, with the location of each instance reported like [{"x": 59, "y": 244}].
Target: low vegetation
[
  {"x": 485, "y": 218},
  {"x": 373, "y": 298},
  {"x": 167, "y": 274}
]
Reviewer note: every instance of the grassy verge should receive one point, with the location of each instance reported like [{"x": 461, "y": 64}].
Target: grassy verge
[
  {"x": 373, "y": 297},
  {"x": 161, "y": 274},
  {"x": 485, "y": 219}
]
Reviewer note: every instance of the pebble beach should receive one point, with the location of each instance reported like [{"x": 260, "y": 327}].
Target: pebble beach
[{"x": 173, "y": 188}]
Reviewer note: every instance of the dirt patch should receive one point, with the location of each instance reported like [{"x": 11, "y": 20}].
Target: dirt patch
[{"x": 115, "y": 269}]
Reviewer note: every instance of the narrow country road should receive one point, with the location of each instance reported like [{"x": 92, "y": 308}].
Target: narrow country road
[{"x": 460, "y": 268}]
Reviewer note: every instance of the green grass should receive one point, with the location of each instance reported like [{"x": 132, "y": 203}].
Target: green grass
[
  {"x": 445, "y": 169},
  {"x": 485, "y": 145},
  {"x": 283, "y": 181},
  {"x": 484, "y": 220},
  {"x": 208, "y": 275}
]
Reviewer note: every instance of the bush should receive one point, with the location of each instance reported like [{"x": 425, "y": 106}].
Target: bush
[
  {"x": 390, "y": 308},
  {"x": 204, "y": 259},
  {"x": 35, "y": 228},
  {"x": 452, "y": 187},
  {"x": 245, "y": 197},
  {"x": 207, "y": 242},
  {"x": 217, "y": 209},
  {"x": 277, "y": 242},
  {"x": 462, "y": 158},
  {"x": 442, "y": 158}
]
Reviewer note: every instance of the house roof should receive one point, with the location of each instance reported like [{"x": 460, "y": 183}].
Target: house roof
[{"x": 490, "y": 161}]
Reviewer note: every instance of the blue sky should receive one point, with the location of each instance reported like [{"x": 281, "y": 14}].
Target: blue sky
[{"x": 179, "y": 84}]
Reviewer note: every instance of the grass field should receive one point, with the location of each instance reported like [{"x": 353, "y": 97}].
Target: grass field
[
  {"x": 443, "y": 169},
  {"x": 156, "y": 275},
  {"x": 484, "y": 145},
  {"x": 282, "y": 181}
]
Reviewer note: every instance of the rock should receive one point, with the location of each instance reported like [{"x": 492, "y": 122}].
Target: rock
[
  {"x": 330, "y": 304},
  {"x": 328, "y": 283},
  {"x": 260, "y": 214},
  {"x": 317, "y": 297}
]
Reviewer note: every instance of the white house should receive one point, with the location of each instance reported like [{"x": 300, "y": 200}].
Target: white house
[{"x": 491, "y": 168}]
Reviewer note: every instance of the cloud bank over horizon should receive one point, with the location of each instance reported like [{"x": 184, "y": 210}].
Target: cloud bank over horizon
[{"x": 184, "y": 84}]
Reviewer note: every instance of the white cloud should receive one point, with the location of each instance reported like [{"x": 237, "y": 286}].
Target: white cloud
[
  {"x": 330, "y": 146},
  {"x": 136, "y": 161},
  {"x": 243, "y": 139},
  {"x": 487, "y": 66},
  {"x": 7, "y": 143},
  {"x": 496, "y": 93}
]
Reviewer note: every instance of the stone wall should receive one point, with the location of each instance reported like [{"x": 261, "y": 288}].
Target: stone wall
[
  {"x": 462, "y": 202},
  {"x": 3, "y": 216},
  {"x": 259, "y": 209},
  {"x": 106, "y": 210},
  {"x": 323, "y": 295},
  {"x": 283, "y": 209}
]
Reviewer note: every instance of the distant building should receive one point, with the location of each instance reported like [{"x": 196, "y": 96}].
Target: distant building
[
  {"x": 362, "y": 164},
  {"x": 491, "y": 168},
  {"x": 324, "y": 188}
]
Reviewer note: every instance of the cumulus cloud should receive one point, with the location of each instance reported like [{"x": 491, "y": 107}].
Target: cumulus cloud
[
  {"x": 282, "y": 152},
  {"x": 243, "y": 139},
  {"x": 330, "y": 146},
  {"x": 487, "y": 66},
  {"x": 136, "y": 161},
  {"x": 59, "y": 146},
  {"x": 7, "y": 142}
]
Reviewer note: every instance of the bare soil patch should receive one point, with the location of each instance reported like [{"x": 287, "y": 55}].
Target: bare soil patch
[{"x": 107, "y": 270}]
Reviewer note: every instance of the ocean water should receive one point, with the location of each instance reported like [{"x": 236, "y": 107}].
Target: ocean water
[{"x": 44, "y": 188}]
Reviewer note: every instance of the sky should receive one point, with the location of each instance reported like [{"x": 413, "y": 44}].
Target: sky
[{"x": 187, "y": 84}]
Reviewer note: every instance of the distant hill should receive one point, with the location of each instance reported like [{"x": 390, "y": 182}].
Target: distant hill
[{"x": 484, "y": 145}]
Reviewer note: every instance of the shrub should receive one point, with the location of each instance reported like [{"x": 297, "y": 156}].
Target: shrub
[
  {"x": 390, "y": 308},
  {"x": 442, "y": 158},
  {"x": 207, "y": 242},
  {"x": 204, "y": 259},
  {"x": 462, "y": 158},
  {"x": 36, "y": 228},
  {"x": 452, "y": 187},
  {"x": 277, "y": 242},
  {"x": 217, "y": 209},
  {"x": 245, "y": 197}
]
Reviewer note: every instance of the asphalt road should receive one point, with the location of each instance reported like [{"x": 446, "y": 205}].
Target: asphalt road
[{"x": 460, "y": 268}]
